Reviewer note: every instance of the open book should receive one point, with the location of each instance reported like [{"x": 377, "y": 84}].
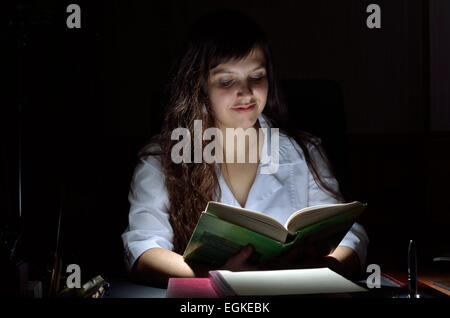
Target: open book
[{"x": 223, "y": 230}]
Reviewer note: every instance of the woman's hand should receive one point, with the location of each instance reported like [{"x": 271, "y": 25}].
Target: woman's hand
[
  {"x": 241, "y": 261},
  {"x": 342, "y": 260},
  {"x": 294, "y": 258}
]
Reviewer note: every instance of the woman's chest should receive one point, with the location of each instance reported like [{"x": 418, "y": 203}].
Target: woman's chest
[
  {"x": 277, "y": 195},
  {"x": 240, "y": 178}
]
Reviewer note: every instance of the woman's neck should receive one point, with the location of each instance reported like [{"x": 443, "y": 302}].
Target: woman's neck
[{"x": 252, "y": 139}]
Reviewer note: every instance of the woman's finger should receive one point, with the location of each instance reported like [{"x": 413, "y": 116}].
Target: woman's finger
[{"x": 239, "y": 261}]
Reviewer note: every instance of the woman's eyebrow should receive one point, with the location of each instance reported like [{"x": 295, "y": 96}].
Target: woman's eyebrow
[{"x": 227, "y": 71}]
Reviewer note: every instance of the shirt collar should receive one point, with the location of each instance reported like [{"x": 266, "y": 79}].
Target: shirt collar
[{"x": 264, "y": 184}]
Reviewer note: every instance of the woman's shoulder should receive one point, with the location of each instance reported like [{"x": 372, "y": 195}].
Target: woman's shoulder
[
  {"x": 292, "y": 143},
  {"x": 290, "y": 137},
  {"x": 295, "y": 145},
  {"x": 150, "y": 156},
  {"x": 151, "y": 148}
]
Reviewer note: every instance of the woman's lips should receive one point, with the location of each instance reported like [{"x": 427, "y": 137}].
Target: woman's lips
[{"x": 244, "y": 108}]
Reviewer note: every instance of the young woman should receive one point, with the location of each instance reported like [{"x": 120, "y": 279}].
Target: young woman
[{"x": 225, "y": 78}]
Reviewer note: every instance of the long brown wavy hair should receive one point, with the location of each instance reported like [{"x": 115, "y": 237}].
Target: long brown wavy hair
[{"x": 216, "y": 38}]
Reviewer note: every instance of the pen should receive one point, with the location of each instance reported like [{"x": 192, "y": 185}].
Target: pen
[{"x": 412, "y": 270}]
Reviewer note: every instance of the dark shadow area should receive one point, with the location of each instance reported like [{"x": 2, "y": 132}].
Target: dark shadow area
[{"x": 317, "y": 106}]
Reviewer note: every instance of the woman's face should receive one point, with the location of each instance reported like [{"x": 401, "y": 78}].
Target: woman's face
[{"x": 237, "y": 91}]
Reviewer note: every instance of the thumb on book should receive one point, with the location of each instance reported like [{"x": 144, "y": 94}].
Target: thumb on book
[
  {"x": 247, "y": 250},
  {"x": 240, "y": 261}
]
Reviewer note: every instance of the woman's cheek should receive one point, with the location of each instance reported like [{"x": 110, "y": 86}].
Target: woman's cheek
[
  {"x": 221, "y": 102},
  {"x": 225, "y": 99},
  {"x": 261, "y": 93},
  {"x": 264, "y": 88}
]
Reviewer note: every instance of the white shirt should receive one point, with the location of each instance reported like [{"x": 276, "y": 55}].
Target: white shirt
[{"x": 291, "y": 188}]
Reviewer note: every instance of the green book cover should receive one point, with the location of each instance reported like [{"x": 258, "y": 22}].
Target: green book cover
[{"x": 214, "y": 240}]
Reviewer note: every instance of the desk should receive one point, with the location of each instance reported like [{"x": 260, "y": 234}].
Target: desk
[
  {"x": 123, "y": 288},
  {"x": 428, "y": 277}
]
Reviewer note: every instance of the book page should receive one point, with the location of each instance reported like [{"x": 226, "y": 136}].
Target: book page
[
  {"x": 252, "y": 220},
  {"x": 288, "y": 282},
  {"x": 314, "y": 214}
]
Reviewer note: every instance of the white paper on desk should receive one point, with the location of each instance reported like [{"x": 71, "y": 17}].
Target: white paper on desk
[{"x": 288, "y": 282}]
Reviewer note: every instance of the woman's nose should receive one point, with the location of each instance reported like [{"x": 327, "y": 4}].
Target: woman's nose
[{"x": 244, "y": 88}]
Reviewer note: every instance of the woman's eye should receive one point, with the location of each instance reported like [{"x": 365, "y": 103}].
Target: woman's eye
[
  {"x": 226, "y": 83},
  {"x": 257, "y": 78}
]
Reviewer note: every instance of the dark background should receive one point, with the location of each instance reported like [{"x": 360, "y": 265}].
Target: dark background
[{"x": 90, "y": 98}]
